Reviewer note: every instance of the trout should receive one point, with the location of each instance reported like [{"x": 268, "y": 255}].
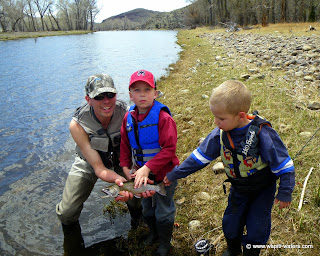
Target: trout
[{"x": 113, "y": 190}]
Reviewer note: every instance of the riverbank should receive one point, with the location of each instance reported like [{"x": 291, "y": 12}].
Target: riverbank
[
  {"x": 5, "y": 36},
  {"x": 280, "y": 93}
]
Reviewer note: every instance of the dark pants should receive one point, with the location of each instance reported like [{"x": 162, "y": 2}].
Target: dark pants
[
  {"x": 161, "y": 207},
  {"x": 252, "y": 210}
]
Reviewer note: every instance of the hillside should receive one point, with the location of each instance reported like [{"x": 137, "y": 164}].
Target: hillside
[
  {"x": 144, "y": 19},
  {"x": 137, "y": 15}
]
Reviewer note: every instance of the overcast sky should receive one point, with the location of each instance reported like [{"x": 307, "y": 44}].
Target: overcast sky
[{"x": 114, "y": 7}]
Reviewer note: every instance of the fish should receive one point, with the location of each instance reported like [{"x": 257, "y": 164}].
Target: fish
[{"x": 114, "y": 190}]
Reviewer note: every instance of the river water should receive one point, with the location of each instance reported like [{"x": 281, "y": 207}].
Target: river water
[{"x": 41, "y": 84}]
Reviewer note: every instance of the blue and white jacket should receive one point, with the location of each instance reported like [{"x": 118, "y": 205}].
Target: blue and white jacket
[{"x": 272, "y": 151}]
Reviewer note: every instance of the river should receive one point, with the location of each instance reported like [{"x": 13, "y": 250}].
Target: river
[{"x": 42, "y": 83}]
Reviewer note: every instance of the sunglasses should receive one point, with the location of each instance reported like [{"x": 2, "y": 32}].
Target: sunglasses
[{"x": 101, "y": 96}]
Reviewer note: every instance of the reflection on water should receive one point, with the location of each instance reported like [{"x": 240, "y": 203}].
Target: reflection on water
[{"x": 41, "y": 83}]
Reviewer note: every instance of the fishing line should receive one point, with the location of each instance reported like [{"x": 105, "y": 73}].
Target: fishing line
[{"x": 306, "y": 144}]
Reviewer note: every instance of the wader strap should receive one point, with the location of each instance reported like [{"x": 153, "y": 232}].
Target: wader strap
[{"x": 234, "y": 157}]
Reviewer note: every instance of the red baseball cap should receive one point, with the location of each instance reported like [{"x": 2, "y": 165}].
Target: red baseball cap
[{"x": 143, "y": 75}]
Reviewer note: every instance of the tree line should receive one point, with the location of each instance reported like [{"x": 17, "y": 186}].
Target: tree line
[
  {"x": 45, "y": 15},
  {"x": 252, "y": 12}
]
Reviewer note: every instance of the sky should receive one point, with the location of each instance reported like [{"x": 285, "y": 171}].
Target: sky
[{"x": 114, "y": 7}]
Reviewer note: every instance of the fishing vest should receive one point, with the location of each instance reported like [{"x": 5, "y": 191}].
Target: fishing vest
[
  {"x": 243, "y": 164},
  {"x": 144, "y": 136},
  {"x": 106, "y": 142}
]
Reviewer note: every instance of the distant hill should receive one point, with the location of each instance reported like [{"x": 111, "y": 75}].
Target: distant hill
[
  {"x": 144, "y": 19},
  {"x": 137, "y": 15}
]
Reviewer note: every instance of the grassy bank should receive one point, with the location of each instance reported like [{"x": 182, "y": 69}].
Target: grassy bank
[
  {"x": 194, "y": 76},
  {"x": 4, "y": 36}
]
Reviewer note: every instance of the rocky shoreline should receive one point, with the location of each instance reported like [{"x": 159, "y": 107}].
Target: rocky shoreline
[{"x": 297, "y": 56}]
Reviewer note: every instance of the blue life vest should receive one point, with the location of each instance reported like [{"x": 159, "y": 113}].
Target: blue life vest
[
  {"x": 144, "y": 136},
  {"x": 243, "y": 163}
]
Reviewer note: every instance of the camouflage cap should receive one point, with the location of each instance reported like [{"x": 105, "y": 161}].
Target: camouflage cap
[{"x": 98, "y": 84}]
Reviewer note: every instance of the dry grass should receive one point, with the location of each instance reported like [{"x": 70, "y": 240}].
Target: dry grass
[
  {"x": 196, "y": 74},
  {"x": 4, "y": 36}
]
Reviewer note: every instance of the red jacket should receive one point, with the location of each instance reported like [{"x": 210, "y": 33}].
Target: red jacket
[{"x": 166, "y": 159}]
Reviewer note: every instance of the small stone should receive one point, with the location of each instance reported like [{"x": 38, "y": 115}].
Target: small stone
[
  {"x": 306, "y": 48},
  {"x": 253, "y": 70},
  {"x": 218, "y": 168},
  {"x": 314, "y": 106},
  {"x": 305, "y": 134},
  {"x": 194, "y": 224},
  {"x": 308, "y": 78},
  {"x": 180, "y": 201},
  {"x": 245, "y": 76},
  {"x": 204, "y": 196}
]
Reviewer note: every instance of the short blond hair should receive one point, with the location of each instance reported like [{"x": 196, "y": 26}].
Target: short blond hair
[{"x": 231, "y": 96}]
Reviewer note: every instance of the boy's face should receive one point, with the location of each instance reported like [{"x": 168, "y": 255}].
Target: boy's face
[
  {"x": 224, "y": 120},
  {"x": 142, "y": 94}
]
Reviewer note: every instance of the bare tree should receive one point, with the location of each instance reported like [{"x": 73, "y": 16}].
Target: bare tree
[
  {"x": 42, "y": 7},
  {"x": 55, "y": 20},
  {"x": 12, "y": 14},
  {"x": 31, "y": 15},
  {"x": 64, "y": 10},
  {"x": 93, "y": 11},
  {"x": 283, "y": 10},
  {"x": 3, "y": 16}
]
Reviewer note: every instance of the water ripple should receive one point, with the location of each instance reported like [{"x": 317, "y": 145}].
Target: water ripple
[{"x": 42, "y": 83}]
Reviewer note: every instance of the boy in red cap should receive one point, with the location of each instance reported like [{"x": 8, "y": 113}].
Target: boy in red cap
[{"x": 148, "y": 151}]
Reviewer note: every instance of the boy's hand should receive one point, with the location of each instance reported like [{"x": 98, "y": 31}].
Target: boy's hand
[
  {"x": 282, "y": 204},
  {"x": 141, "y": 176},
  {"x": 148, "y": 193},
  {"x": 124, "y": 195},
  {"x": 166, "y": 181}
]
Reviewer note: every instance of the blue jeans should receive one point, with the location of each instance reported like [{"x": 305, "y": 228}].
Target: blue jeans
[
  {"x": 160, "y": 207},
  {"x": 250, "y": 210}
]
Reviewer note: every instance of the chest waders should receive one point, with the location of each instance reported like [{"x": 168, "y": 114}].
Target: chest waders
[{"x": 105, "y": 141}]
